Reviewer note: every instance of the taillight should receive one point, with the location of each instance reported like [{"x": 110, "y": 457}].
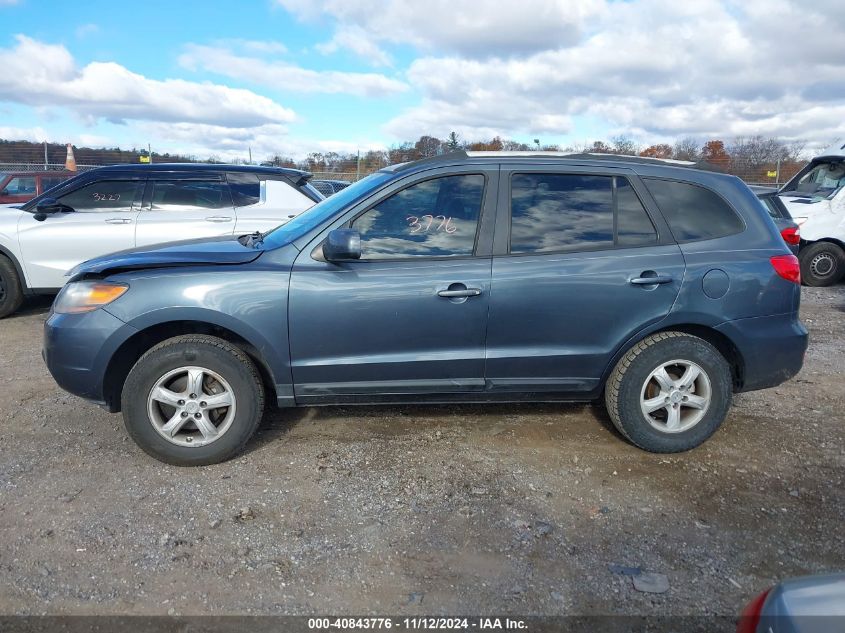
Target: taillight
[
  {"x": 750, "y": 616},
  {"x": 791, "y": 235},
  {"x": 787, "y": 266}
]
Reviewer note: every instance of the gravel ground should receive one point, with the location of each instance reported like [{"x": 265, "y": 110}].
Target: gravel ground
[{"x": 532, "y": 509}]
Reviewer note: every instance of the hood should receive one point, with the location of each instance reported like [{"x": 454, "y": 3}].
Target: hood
[{"x": 198, "y": 252}]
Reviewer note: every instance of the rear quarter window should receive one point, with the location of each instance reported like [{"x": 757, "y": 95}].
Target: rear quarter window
[{"x": 693, "y": 212}]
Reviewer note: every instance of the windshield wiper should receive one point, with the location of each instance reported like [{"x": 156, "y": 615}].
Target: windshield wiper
[{"x": 251, "y": 240}]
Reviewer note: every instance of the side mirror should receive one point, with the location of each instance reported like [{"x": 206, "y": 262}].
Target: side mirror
[
  {"x": 49, "y": 206},
  {"x": 342, "y": 244}
]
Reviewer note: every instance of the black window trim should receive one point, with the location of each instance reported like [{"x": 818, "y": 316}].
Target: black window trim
[
  {"x": 423, "y": 258},
  {"x": 711, "y": 190},
  {"x": 658, "y": 241}
]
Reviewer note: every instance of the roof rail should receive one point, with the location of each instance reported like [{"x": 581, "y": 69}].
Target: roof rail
[{"x": 440, "y": 158}]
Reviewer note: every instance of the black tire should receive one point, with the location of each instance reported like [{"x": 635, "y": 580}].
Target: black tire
[
  {"x": 11, "y": 291},
  {"x": 625, "y": 386},
  {"x": 210, "y": 353},
  {"x": 822, "y": 264}
]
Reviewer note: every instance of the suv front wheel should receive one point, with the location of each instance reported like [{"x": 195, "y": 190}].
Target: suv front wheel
[
  {"x": 669, "y": 393},
  {"x": 193, "y": 400}
]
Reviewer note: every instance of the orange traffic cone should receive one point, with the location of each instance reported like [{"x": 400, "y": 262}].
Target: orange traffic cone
[{"x": 70, "y": 161}]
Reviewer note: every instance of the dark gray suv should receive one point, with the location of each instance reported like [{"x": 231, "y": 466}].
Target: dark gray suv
[{"x": 487, "y": 277}]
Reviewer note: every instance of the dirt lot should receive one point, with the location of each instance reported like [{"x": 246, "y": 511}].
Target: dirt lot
[{"x": 504, "y": 509}]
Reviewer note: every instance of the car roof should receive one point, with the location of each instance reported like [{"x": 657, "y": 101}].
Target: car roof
[
  {"x": 201, "y": 167},
  {"x": 837, "y": 150},
  {"x": 644, "y": 166}
]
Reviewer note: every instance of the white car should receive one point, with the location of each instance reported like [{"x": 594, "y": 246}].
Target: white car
[
  {"x": 815, "y": 198},
  {"x": 125, "y": 206}
]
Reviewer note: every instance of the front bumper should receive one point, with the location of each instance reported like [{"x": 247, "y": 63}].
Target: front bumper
[
  {"x": 78, "y": 348},
  {"x": 772, "y": 348}
]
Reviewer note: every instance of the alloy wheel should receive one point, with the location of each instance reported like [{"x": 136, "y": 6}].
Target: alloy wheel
[
  {"x": 676, "y": 396},
  {"x": 191, "y": 406}
]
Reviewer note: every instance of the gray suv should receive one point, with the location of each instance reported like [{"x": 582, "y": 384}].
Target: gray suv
[{"x": 489, "y": 277}]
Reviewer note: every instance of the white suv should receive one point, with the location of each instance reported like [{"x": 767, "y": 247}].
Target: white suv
[{"x": 123, "y": 206}]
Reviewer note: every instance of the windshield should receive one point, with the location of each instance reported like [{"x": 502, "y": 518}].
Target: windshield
[
  {"x": 821, "y": 180},
  {"x": 323, "y": 211}
]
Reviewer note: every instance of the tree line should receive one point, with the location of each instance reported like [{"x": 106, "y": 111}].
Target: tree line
[{"x": 754, "y": 158}]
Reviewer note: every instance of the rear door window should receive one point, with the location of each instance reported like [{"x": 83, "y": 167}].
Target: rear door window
[
  {"x": 570, "y": 212},
  {"x": 179, "y": 195},
  {"x": 693, "y": 212}
]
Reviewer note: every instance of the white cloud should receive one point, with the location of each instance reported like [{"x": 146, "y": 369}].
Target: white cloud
[
  {"x": 227, "y": 143},
  {"x": 40, "y": 74},
  {"x": 477, "y": 28},
  {"x": 355, "y": 40},
  {"x": 655, "y": 68},
  {"x": 12, "y": 133},
  {"x": 285, "y": 76}
]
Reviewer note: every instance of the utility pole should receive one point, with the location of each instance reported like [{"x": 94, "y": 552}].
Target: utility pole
[
  {"x": 777, "y": 174},
  {"x": 150, "y": 152},
  {"x": 250, "y": 155},
  {"x": 45, "y": 156},
  {"x": 358, "y": 166}
]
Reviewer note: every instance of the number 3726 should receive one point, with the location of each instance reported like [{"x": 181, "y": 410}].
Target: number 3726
[{"x": 426, "y": 223}]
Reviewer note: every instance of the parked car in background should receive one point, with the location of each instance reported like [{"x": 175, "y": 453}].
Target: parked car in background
[
  {"x": 19, "y": 187},
  {"x": 812, "y": 604},
  {"x": 815, "y": 198},
  {"x": 330, "y": 187},
  {"x": 819, "y": 187},
  {"x": 822, "y": 250},
  {"x": 788, "y": 228},
  {"x": 467, "y": 277},
  {"x": 123, "y": 206}
]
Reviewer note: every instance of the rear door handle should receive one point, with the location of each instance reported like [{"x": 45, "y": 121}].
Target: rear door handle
[
  {"x": 118, "y": 221},
  {"x": 218, "y": 218},
  {"x": 651, "y": 281},
  {"x": 466, "y": 292}
]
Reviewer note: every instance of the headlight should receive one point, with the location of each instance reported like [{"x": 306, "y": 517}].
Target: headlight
[{"x": 85, "y": 296}]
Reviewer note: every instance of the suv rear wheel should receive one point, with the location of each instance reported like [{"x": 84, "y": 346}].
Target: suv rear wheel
[
  {"x": 822, "y": 264},
  {"x": 669, "y": 393},
  {"x": 193, "y": 400},
  {"x": 11, "y": 292}
]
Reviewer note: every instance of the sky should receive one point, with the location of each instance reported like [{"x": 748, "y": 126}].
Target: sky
[{"x": 290, "y": 77}]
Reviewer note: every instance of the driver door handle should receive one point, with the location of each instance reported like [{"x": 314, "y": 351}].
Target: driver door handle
[
  {"x": 651, "y": 281},
  {"x": 466, "y": 292},
  {"x": 218, "y": 218},
  {"x": 118, "y": 221}
]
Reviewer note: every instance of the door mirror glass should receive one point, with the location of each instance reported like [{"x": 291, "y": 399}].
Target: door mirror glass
[{"x": 342, "y": 244}]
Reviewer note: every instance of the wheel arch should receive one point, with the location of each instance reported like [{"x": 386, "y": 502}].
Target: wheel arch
[
  {"x": 725, "y": 346},
  {"x": 130, "y": 350},
  {"x": 5, "y": 252}
]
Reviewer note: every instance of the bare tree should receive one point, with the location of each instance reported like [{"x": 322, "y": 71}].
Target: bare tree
[
  {"x": 687, "y": 148},
  {"x": 623, "y": 144}
]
